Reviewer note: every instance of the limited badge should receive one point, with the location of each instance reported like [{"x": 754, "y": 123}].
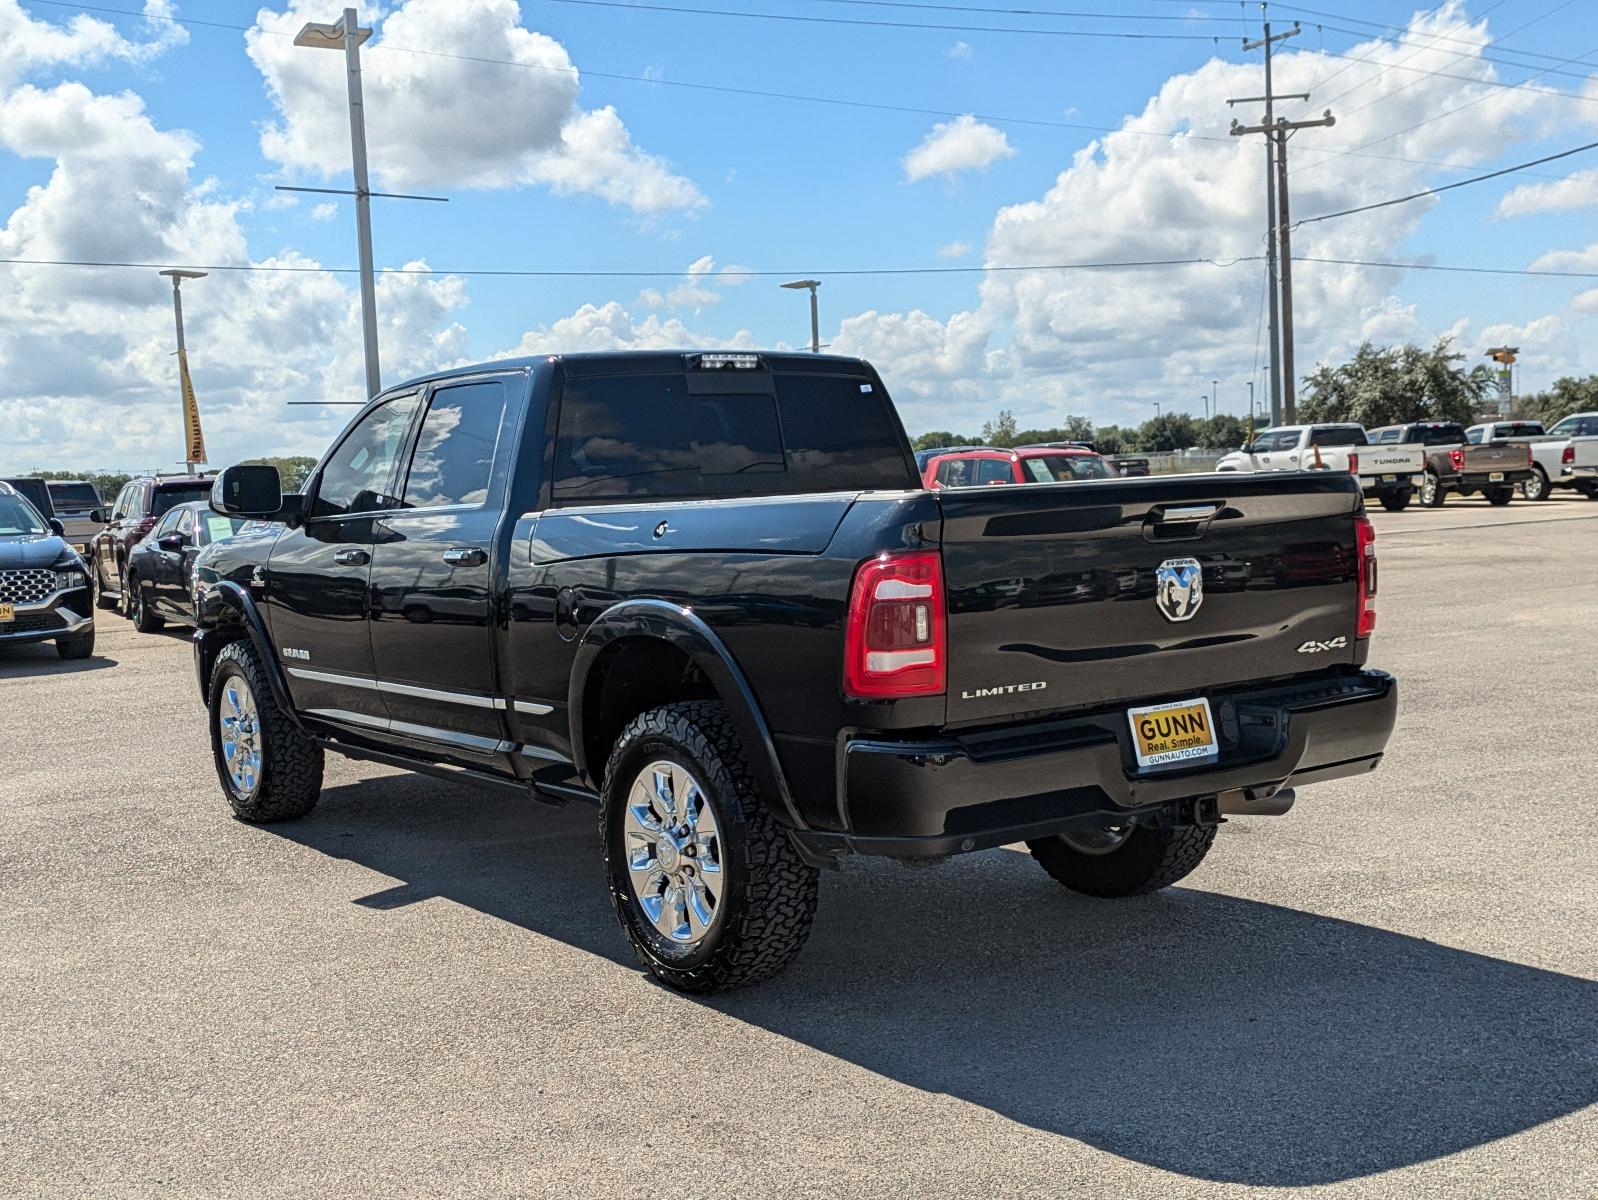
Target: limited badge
[{"x": 1178, "y": 588}]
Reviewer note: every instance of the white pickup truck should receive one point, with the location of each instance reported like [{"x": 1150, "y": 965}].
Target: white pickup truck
[
  {"x": 1584, "y": 462},
  {"x": 1390, "y": 473},
  {"x": 1553, "y": 452}
]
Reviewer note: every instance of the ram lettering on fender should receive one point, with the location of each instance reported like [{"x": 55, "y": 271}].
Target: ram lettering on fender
[{"x": 1337, "y": 643}]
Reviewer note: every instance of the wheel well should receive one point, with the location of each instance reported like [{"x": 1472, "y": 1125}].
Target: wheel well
[
  {"x": 631, "y": 676},
  {"x": 217, "y": 639}
]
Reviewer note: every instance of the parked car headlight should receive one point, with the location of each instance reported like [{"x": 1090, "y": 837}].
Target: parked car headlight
[{"x": 70, "y": 577}]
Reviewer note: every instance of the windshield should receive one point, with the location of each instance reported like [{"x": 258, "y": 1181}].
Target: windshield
[
  {"x": 167, "y": 499},
  {"x": 1053, "y": 468},
  {"x": 219, "y": 527},
  {"x": 17, "y": 516}
]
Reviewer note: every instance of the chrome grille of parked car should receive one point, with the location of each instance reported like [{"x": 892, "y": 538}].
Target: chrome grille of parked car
[{"x": 27, "y": 586}]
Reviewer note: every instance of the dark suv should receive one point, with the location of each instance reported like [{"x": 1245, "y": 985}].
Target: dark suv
[
  {"x": 44, "y": 585},
  {"x": 139, "y": 505}
]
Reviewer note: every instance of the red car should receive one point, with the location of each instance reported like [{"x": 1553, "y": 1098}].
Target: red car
[
  {"x": 1024, "y": 464},
  {"x": 139, "y": 505}
]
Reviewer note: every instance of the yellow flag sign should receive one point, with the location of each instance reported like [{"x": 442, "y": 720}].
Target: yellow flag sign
[{"x": 192, "y": 435}]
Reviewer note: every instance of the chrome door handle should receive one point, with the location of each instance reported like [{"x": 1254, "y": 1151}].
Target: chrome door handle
[
  {"x": 460, "y": 557},
  {"x": 352, "y": 558}
]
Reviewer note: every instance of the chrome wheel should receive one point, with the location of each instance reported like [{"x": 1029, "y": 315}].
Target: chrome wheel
[
  {"x": 1535, "y": 487},
  {"x": 1106, "y": 839},
  {"x": 241, "y": 736},
  {"x": 673, "y": 850},
  {"x": 1428, "y": 489}
]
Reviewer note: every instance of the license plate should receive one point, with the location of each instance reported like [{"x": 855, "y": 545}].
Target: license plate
[
  {"x": 8, "y": 612},
  {"x": 1182, "y": 731},
  {"x": 1389, "y": 478},
  {"x": 1496, "y": 477}
]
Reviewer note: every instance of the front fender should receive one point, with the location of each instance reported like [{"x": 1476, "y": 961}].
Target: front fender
[
  {"x": 224, "y": 610},
  {"x": 688, "y": 632}
]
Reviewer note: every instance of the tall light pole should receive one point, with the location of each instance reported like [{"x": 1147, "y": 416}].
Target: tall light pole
[
  {"x": 815, "y": 313},
  {"x": 193, "y": 439},
  {"x": 1156, "y": 409},
  {"x": 1215, "y": 394},
  {"x": 1206, "y": 400},
  {"x": 347, "y": 35},
  {"x": 1250, "y": 399}
]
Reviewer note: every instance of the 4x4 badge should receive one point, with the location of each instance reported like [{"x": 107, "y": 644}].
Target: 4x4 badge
[{"x": 1178, "y": 588}]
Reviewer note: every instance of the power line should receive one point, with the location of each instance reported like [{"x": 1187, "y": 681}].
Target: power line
[
  {"x": 732, "y": 273},
  {"x": 741, "y": 273},
  {"x": 1447, "y": 187}
]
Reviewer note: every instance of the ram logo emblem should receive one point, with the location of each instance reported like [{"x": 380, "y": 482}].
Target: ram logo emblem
[{"x": 1178, "y": 588}]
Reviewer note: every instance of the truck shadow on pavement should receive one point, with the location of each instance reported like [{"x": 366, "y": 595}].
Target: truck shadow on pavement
[
  {"x": 38, "y": 659},
  {"x": 1219, "y": 1038}
]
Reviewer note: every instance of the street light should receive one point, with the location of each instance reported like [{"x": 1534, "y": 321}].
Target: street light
[
  {"x": 1206, "y": 400},
  {"x": 347, "y": 36},
  {"x": 1156, "y": 408},
  {"x": 1215, "y": 393},
  {"x": 815, "y": 317},
  {"x": 194, "y": 439}
]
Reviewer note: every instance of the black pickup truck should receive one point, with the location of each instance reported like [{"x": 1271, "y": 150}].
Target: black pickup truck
[{"x": 706, "y": 590}]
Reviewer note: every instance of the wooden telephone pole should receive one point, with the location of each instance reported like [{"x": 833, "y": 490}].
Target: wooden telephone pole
[{"x": 1279, "y": 252}]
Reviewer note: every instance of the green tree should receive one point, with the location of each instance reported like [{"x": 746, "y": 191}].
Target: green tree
[
  {"x": 1075, "y": 429},
  {"x": 1167, "y": 432},
  {"x": 1568, "y": 395},
  {"x": 1396, "y": 384},
  {"x": 936, "y": 438},
  {"x": 1223, "y": 431},
  {"x": 293, "y": 470},
  {"x": 1001, "y": 430},
  {"x": 1112, "y": 439},
  {"x": 105, "y": 483}
]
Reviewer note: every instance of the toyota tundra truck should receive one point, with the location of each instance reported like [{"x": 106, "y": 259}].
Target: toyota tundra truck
[
  {"x": 706, "y": 592},
  {"x": 1391, "y": 473}
]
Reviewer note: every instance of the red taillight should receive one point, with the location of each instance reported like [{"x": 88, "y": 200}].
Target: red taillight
[
  {"x": 895, "y": 641},
  {"x": 1353, "y": 463},
  {"x": 1365, "y": 572},
  {"x": 1567, "y": 456},
  {"x": 1456, "y": 459}
]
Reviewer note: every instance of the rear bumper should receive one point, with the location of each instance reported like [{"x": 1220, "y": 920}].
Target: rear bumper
[
  {"x": 1402, "y": 481},
  {"x": 933, "y": 798},
  {"x": 1475, "y": 481},
  {"x": 64, "y": 612}
]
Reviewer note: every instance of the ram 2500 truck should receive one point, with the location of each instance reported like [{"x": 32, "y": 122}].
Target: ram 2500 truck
[
  {"x": 1390, "y": 473},
  {"x": 707, "y": 591}
]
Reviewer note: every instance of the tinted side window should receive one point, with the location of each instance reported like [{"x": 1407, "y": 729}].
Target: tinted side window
[
  {"x": 1338, "y": 435},
  {"x": 356, "y": 477},
  {"x": 186, "y": 521},
  {"x": 166, "y": 524},
  {"x": 625, "y": 435},
  {"x": 454, "y": 455},
  {"x": 1474, "y": 434},
  {"x": 994, "y": 470},
  {"x": 952, "y": 473}
]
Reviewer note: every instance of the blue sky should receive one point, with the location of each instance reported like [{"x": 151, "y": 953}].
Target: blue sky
[{"x": 685, "y": 176}]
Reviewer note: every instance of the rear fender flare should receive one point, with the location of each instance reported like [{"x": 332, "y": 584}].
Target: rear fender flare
[
  {"x": 227, "y": 604},
  {"x": 688, "y": 632}
]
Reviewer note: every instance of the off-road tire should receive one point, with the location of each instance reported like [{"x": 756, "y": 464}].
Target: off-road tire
[
  {"x": 769, "y": 899},
  {"x": 139, "y": 612},
  {"x": 1537, "y": 487},
  {"x": 1397, "y": 501},
  {"x": 76, "y": 645},
  {"x": 1439, "y": 493},
  {"x": 1150, "y": 859},
  {"x": 1499, "y": 496},
  {"x": 291, "y": 763}
]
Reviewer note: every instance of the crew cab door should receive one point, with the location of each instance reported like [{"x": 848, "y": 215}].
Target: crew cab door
[
  {"x": 316, "y": 597},
  {"x": 435, "y": 558}
]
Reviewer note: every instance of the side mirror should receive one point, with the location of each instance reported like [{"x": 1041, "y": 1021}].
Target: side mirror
[
  {"x": 57, "y": 528},
  {"x": 99, "y": 516},
  {"x": 172, "y": 541},
  {"x": 252, "y": 490}
]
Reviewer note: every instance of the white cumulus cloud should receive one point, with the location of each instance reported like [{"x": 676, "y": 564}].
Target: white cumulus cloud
[
  {"x": 444, "y": 118},
  {"x": 1579, "y": 190},
  {"x": 963, "y": 144}
]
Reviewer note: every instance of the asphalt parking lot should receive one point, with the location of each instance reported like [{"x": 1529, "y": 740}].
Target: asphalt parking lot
[{"x": 420, "y": 990}]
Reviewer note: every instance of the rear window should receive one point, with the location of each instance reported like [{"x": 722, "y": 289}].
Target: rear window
[
  {"x": 1439, "y": 435},
  {"x": 74, "y": 495},
  {"x": 1338, "y": 435},
  {"x": 647, "y": 435},
  {"x": 1056, "y": 467},
  {"x": 168, "y": 498}
]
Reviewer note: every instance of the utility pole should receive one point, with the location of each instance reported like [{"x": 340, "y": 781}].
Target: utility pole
[
  {"x": 347, "y": 36},
  {"x": 193, "y": 439},
  {"x": 1272, "y": 287},
  {"x": 1285, "y": 224}
]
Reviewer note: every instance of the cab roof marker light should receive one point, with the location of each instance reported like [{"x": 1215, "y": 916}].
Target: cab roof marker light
[{"x": 740, "y": 362}]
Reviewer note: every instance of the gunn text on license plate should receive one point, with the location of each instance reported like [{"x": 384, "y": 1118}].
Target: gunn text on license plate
[
  {"x": 1182, "y": 731},
  {"x": 7, "y": 612}
]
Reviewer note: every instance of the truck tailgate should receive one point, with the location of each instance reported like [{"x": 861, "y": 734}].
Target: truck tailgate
[
  {"x": 1392, "y": 460},
  {"x": 1495, "y": 456},
  {"x": 1065, "y": 596}
]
